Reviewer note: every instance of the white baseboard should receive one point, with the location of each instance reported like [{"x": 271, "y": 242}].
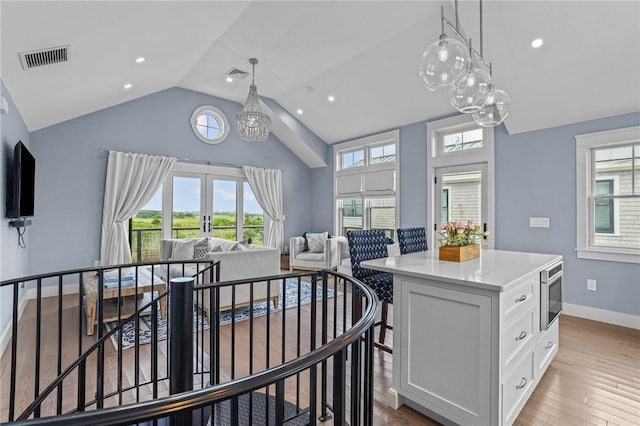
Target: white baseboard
[
  {"x": 6, "y": 333},
  {"x": 602, "y": 315}
]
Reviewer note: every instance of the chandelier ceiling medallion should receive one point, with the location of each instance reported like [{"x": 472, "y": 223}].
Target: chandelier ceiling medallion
[
  {"x": 453, "y": 64},
  {"x": 252, "y": 124}
]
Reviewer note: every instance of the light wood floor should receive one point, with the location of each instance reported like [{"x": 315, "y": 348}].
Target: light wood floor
[{"x": 594, "y": 379}]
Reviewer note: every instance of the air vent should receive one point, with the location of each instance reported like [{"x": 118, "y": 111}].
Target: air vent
[
  {"x": 39, "y": 58},
  {"x": 236, "y": 73}
]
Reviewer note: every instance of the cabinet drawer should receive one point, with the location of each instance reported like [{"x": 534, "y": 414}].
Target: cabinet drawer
[
  {"x": 515, "y": 338},
  {"x": 546, "y": 348},
  {"x": 515, "y": 388},
  {"x": 519, "y": 299}
]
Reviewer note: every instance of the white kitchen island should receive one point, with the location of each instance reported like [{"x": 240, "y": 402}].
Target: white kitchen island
[{"x": 467, "y": 344}]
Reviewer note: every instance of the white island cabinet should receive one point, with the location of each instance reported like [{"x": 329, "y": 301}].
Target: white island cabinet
[{"x": 467, "y": 344}]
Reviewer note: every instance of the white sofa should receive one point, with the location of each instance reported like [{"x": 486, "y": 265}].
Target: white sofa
[
  {"x": 236, "y": 263},
  {"x": 299, "y": 258},
  {"x": 344, "y": 261}
]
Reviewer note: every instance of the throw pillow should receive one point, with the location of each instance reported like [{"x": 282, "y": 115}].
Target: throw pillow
[
  {"x": 316, "y": 242},
  {"x": 225, "y": 245},
  {"x": 210, "y": 255},
  {"x": 182, "y": 249},
  {"x": 306, "y": 243},
  {"x": 200, "y": 249}
]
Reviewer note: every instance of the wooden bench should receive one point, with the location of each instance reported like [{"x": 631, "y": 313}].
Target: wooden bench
[{"x": 146, "y": 284}]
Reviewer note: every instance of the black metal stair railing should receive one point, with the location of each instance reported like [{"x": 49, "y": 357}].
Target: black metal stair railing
[
  {"x": 53, "y": 335},
  {"x": 274, "y": 359}
]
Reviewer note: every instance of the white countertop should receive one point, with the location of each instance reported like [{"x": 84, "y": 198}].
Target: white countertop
[{"x": 494, "y": 270}]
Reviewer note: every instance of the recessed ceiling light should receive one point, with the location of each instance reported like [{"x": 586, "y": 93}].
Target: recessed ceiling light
[
  {"x": 300, "y": 112},
  {"x": 331, "y": 98},
  {"x": 229, "y": 80},
  {"x": 128, "y": 86},
  {"x": 537, "y": 43},
  {"x": 139, "y": 60}
]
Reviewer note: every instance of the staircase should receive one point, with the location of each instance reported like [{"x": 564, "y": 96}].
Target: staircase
[{"x": 308, "y": 358}]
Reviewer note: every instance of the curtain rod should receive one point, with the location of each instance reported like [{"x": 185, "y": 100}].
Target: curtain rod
[{"x": 192, "y": 161}]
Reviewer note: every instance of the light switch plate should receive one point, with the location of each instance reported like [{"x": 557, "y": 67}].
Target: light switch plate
[{"x": 538, "y": 222}]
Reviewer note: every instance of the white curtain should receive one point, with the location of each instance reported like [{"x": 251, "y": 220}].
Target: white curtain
[
  {"x": 132, "y": 179},
  {"x": 266, "y": 185}
]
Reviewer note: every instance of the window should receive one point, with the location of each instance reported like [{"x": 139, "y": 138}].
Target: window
[
  {"x": 444, "y": 205},
  {"x": 352, "y": 159},
  {"x": 461, "y": 170},
  {"x": 209, "y": 124},
  {"x": 365, "y": 184},
  {"x": 253, "y": 217},
  {"x": 382, "y": 154},
  {"x": 604, "y": 214},
  {"x": 197, "y": 201},
  {"x": 608, "y": 195},
  {"x": 461, "y": 141},
  {"x": 145, "y": 230},
  {"x": 349, "y": 215}
]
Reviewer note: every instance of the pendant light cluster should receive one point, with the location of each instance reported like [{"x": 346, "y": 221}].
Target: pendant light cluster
[
  {"x": 252, "y": 124},
  {"x": 452, "y": 64}
]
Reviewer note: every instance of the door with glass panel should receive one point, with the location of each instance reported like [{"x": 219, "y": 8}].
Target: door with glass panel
[{"x": 461, "y": 196}]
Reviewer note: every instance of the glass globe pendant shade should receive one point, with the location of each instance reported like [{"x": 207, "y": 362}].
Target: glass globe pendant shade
[
  {"x": 471, "y": 91},
  {"x": 443, "y": 61},
  {"x": 496, "y": 110}
]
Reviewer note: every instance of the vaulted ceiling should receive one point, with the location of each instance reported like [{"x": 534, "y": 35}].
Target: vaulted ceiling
[{"x": 364, "y": 53}]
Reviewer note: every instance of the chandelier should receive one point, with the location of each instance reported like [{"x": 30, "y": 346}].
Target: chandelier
[
  {"x": 252, "y": 124},
  {"x": 453, "y": 64}
]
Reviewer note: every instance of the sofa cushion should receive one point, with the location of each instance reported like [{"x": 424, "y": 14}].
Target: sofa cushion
[
  {"x": 182, "y": 249},
  {"x": 211, "y": 253},
  {"x": 307, "y": 255},
  {"x": 315, "y": 242},
  {"x": 225, "y": 245}
]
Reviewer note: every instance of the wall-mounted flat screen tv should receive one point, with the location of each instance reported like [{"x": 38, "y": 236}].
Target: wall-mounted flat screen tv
[{"x": 21, "y": 183}]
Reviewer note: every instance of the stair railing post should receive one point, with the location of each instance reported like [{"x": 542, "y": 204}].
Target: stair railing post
[{"x": 181, "y": 334}]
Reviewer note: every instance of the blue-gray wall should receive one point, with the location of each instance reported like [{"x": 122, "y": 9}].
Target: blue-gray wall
[
  {"x": 71, "y": 169},
  {"x": 536, "y": 176},
  {"x": 13, "y": 262}
]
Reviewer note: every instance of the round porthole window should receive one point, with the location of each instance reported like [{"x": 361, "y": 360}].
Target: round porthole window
[{"x": 209, "y": 124}]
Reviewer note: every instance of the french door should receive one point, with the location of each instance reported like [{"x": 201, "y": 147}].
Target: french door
[
  {"x": 461, "y": 195},
  {"x": 203, "y": 205},
  {"x": 206, "y": 204}
]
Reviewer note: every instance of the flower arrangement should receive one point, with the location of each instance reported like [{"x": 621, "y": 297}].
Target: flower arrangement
[{"x": 455, "y": 234}]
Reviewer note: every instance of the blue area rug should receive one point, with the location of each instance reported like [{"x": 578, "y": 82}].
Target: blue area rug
[{"x": 200, "y": 321}]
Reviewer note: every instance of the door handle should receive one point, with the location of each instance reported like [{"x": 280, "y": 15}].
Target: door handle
[
  {"x": 521, "y": 336},
  {"x": 484, "y": 230},
  {"x": 204, "y": 224},
  {"x": 209, "y": 226}
]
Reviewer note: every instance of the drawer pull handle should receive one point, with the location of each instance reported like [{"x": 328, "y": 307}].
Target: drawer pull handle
[
  {"x": 549, "y": 345},
  {"x": 522, "y": 384},
  {"x": 521, "y": 336},
  {"x": 521, "y": 298}
]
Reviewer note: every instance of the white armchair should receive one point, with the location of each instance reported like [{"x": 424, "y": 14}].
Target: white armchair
[{"x": 299, "y": 258}]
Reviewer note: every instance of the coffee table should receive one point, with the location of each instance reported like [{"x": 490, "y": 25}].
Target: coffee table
[{"x": 111, "y": 297}]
